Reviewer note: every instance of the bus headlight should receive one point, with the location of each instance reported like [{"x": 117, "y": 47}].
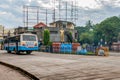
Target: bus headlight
[
  {"x": 23, "y": 43},
  {"x": 35, "y": 44}
]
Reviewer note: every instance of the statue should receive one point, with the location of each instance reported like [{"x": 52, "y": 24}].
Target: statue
[{"x": 62, "y": 35}]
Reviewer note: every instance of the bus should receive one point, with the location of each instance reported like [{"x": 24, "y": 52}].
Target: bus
[{"x": 25, "y": 42}]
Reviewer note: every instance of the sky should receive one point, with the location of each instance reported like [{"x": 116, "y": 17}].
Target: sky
[{"x": 11, "y": 11}]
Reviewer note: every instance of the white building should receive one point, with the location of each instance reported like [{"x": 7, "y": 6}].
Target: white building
[{"x": 4, "y": 32}]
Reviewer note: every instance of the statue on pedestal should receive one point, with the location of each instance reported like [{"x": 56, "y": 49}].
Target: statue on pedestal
[{"x": 62, "y": 35}]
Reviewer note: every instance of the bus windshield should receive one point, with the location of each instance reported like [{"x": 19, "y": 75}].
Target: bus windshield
[{"x": 29, "y": 38}]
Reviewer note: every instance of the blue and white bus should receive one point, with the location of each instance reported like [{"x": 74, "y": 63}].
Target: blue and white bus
[{"x": 25, "y": 42}]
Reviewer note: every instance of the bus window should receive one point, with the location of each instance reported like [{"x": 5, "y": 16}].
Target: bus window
[
  {"x": 5, "y": 41},
  {"x": 29, "y": 38}
]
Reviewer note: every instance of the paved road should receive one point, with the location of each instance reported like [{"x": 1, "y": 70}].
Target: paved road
[
  {"x": 48, "y": 66},
  {"x": 115, "y": 54},
  {"x": 10, "y": 74}
]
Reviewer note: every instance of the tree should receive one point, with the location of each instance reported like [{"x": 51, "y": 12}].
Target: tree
[
  {"x": 84, "y": 29},
  {"x": 107, "y": 30},
  {"x": 69, "y": 36},
  {"x": 80, "y": 30},
  {"x": 86, "y": 37},
  {"x": 89, "y": 25},
  {"x": 46, "y": 38}
]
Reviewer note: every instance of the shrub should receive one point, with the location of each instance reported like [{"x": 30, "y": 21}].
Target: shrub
[{"x": 46, "y": 38}]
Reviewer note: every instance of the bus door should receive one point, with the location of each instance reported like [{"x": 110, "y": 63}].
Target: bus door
[
  {"x": 17, "y": 40},
  {"x": 8, "y": 41},
  {"x": 16, "y": 45}
]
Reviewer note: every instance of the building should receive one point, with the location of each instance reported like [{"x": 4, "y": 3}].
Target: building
[
  {"x": 116, "y": 46},
  {"x": 39, "y": 25},
  {"x": 64, "y": 24},
  {"x": 4, "y": 32},
  {"x": 119, "y": 37},
  {"x": 1, "y": 32},
  {"x": 54, "y": 29}
]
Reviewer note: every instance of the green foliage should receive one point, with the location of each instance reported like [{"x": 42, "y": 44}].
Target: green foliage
[
  {"x": 90, "y": 53},
  {"x": 70, "y": 34},
  {"x": 84, "y": 46},
  {"x": 46, "y": 38},
  {"x": 86, "y": 37},
  {"x": 70, "y": 39},
  {"x": 89, "y": 25},
  {"x": 107, "y": 30},
  {"x": 80, "y": 30},
  {"x": 50, "y": 43}
]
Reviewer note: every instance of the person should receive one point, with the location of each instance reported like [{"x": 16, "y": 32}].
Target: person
[{"x": 62, "y": 35}]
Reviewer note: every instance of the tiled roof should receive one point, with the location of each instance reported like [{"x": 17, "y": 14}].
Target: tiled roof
[{"x": 41, "y": 24}]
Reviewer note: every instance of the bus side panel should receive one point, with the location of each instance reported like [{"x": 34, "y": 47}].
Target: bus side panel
[
  {"x": 12, "y": 46},
  {"x": 5, "y": 46},
  {"x": 24, "y": 48}
]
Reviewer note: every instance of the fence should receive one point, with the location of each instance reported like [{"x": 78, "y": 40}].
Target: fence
[
  {"x": 75, "y": 47},
  {"x": 56, "y": 47},
  {"x": 91, "y": 48},
  {"x": 116, "y": 47},
  {"x": 65, "y": 47}
]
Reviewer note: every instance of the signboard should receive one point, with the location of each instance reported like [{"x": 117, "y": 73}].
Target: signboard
[{"x": 30, "y": 29}]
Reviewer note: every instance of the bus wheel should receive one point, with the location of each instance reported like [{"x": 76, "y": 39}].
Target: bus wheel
[
  {"x": 28, "y": 52},
  {"x": 17, "y": 52},
  {"x": 8, "y": 51}
]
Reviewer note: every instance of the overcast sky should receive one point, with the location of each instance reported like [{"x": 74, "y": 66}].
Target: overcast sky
[{"x": 11, "y": 11}]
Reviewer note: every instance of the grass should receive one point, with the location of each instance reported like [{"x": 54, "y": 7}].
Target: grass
[{"x": 90, "y": 53}]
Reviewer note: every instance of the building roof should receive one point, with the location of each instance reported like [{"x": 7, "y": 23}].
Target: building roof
[
  {"x": 39, "y": 25},
  {"x": 60, "y": 21}
]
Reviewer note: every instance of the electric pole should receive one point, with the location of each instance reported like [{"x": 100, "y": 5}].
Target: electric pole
[{"x": 46, "y": 16}]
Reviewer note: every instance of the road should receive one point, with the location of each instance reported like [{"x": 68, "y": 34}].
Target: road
[
  {"x": 47, "y": 66},
  {"x": 7, "y": 73}
]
